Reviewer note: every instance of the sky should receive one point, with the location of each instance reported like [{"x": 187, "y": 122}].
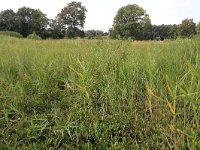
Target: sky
[{"x": 100, "y": 13}]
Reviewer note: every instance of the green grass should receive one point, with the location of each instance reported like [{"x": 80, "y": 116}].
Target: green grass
[{"x": 99, "y": 94}]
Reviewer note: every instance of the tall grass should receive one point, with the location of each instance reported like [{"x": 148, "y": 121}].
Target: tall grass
[{"x": 82, "y": 94}]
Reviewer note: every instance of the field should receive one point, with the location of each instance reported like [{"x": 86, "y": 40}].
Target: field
[{"x": 99, "y": 94}]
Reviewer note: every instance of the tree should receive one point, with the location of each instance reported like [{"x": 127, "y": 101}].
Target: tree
[
  {"x": 30, "y": 20},
  {"x": 24, "y": 17},
  {"x": 187, "y": 28},
  {"x": 130, "y": 22},
  {"x": 91, "y": 34},
  {"x": 147, "y": 27},
  {"x": 198, "y": 28},
  {"x": 39, "y": 23},
  {"x": 165, "y": 31},
  {"x": 8, "y": 20},
  {"x": 56, "y": 29},
  {"x": 73, "y": 16}
]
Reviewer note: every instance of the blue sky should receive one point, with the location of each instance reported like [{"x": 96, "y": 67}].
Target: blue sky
[{"x": 101, "y": 12}]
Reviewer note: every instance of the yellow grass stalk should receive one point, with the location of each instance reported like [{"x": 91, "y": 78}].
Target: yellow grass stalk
[
  {"x": 171, "y": 127},
  {"x": 171, "y": 107},
  {"x": 78, "y": 73},
  {"x": 83, "y": 89}
]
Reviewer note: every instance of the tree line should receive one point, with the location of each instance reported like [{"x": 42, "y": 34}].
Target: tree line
[
  {"x": 69, "y": 22},
  {"x": 130, "y": 22}
]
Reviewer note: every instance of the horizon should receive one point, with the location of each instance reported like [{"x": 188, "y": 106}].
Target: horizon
[{"x": 160, "y": 12}]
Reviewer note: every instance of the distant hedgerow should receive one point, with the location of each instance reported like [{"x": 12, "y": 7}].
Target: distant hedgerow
[{"x": 11, "y": 33}]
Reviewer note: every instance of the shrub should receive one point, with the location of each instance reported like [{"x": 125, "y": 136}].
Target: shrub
[
  {"x": 34, "y": 36},
  {"x": 11, "y": 33}
]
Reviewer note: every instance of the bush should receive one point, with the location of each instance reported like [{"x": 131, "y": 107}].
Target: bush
[
  {"x": 34, "y": 36},
  {"x": 11, "y": 33}
]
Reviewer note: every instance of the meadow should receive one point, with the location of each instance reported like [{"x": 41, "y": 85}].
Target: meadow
[{"x": 99, "y": 94}]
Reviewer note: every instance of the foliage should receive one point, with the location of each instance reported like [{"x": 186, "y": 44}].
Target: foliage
[
  {"x": 8, "y": 20},
  {"x": 198, "y": 28},
  {"x": 73, "y": 32},
  {"x": 165, "y": 31},
  {"x": 11, "y": 33},
  {"x": 94, "y": 34},
  {"x": 31, "y": 20},
  {"x": 34, "y": 36},
  {"x": 147, "y": 27},
  {"x": 56, "y": 29},
  {"x": 187, "y": 28},
  {"x": 99, "y": 94},
  {"x": 73, "y": 16},
  {"x": 131, "y": 21}
]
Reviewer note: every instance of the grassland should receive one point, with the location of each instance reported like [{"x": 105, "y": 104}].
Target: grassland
[{"x": 100, "y": 94}]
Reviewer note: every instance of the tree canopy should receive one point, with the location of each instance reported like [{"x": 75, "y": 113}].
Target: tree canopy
[
  {"x": 56, "y": 29},
  {"x": 165, "y": 31},
  {"x": 73, "y": 16},
  {"x": 92, "y": 34},
  {"x": 131, "y": 21},
  {"x": 198, "y": 28},
  {"x": 31, "y": 20},
  {"x": 8, "y": 20},
  {"x": 187, "y": 28}
]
